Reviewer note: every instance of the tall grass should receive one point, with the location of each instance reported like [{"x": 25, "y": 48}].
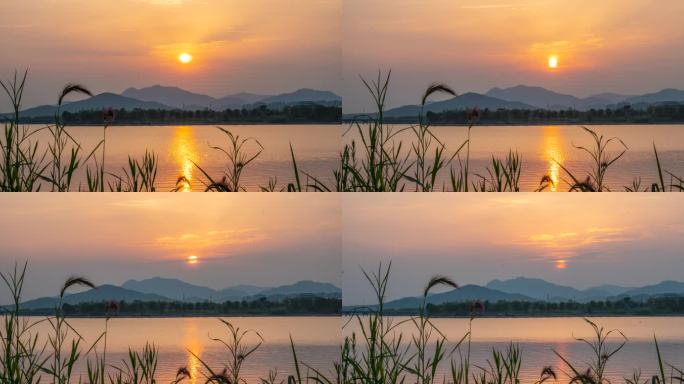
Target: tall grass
[
  {"x": 601, "y": 158},
  {"x": 380, "y": 352},
  {"x": 22, "y": 162},
  {"x": 28, "y": 166},
  {"x": 380, "y": 157},
  {"x": 239, "y": 156},
  {"x": 383, "y": 350}
]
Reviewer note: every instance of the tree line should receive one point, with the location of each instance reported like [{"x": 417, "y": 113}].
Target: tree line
[
  {"x": 666, "y": 113},
  {"x": 302, "y": 113},
  {"x": 302, "y": 305},
  {"x": 663, "y": 306}
]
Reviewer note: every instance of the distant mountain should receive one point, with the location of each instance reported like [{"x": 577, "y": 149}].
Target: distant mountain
[
  {"x": 665, "y": 95},
  {"x": 546, "y": 99},
  {"x": 463, "y": 294},
  {"x": 301, "y": 287},
  {"x": 97, "y": 102},
  {"x": 239, "y": 100},
  {"x": 607, "y": 289},
  {"x": 663, "y": 288},
  {"x": 535, "y": 96},
  {"x": 544, "y": 290},
  {"x": 172, "y": 96},
  {"x": 180, "y": 98},
  {"x": 464, "y": 101},
  {"x": 173, "y": 288},
  {"x": 536, "y": 288},
  {"x": 102, "y": 293},
  {"x": 246, "y": 288},
  {"x": 168, "y": 289},
  {"x": 610, "y": 97},
  {"x": 301, "y": 96}
]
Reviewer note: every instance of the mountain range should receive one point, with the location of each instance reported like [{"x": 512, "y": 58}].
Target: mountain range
[
  {"x": 164, "y": 97},
  {"x": 529, "y": 97},
  {"x": 530, "y": 289},
  {"x": 165, "y": 289}
]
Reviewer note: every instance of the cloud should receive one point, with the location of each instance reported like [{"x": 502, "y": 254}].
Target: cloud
[
  {"x": 165, "y": 2},
  {"x": 495, "y": 6},
  {"x": 211, "y": 239},
  {"x": 567, "y": 246},
  {"x": 582, "y": 43}
]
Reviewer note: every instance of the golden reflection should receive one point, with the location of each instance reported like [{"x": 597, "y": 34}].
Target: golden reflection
[
  {"x": 193, "y": 345},
  {"x": 552, "y": 152},
  {"x": 185, "y": 153}
]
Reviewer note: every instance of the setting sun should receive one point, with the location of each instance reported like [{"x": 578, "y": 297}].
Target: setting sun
[
  {"x": 561, "y": 264},
  {"x": 185, "y": 58},
  {"x": 553, "y": 62},
  {"x": 192, "y": 259}
]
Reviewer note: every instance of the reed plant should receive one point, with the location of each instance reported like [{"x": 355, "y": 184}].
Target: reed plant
[
  {"x": 381, "y": 163},
  {"x": 140, "y": 176},
  {"x": 239, "y": 152},
  {"x": 238, "y": 348},
  {"x": 23, "y": 163},
  {"x": 602, "y": 160},
  {"x": 64, "y": 338},
  {"x": 22, "y": 358},
  {"x": 64, "y": 151}
]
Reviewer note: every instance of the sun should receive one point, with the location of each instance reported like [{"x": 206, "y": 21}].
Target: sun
[
  {"x": 561, "y": 264},
  {"x": 193, "y": 259},
  {"x": 553, "y": 62},
  {"x": 185, "y": 58}
]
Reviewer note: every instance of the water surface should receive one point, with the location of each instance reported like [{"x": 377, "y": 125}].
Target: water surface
[
  {"x": 542, "y": 148},
  {"x": 316, "y": 149},
  {"x": 316, "y": 340},
  {"x": 539, "y": 337}
]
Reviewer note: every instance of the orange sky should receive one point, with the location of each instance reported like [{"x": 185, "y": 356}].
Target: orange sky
[
  {"x": 627, "y": 46},
  {"x": 579, "y": 240},
  {"x": 262, "y": 46},
  {"x": 245, "y": 239}
]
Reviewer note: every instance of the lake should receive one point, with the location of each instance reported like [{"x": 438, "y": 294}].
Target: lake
[
  {"x": 316, "y": 149},
  {"x": 316, "y": 340},
  {"x": 538, "y": 337},
  {"x": 541, "y": 146}
]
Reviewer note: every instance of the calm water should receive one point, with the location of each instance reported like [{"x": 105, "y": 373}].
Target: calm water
[
  {"x": 316, "y": 149},
  {"x": 539, "y": 336},
  {"x": 541, "y": 146},
  {"x": 316, "y": 340}
]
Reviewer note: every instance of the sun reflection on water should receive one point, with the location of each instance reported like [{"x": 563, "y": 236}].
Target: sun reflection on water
[
  {"x": 185, "y": 153},
  {"x": 553, "y": 153},
  {"x": 194, "y": 346}
]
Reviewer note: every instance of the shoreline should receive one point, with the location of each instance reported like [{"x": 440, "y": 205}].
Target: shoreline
[
  {"x": 525, "y": 316},
  {"x": 157, "y": 316}
]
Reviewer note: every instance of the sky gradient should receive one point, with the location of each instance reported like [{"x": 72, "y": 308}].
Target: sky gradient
[
  {"x": 260, "y": 46},
  {"x": 581, "y": 240},
  {"x": 625, "y": 46},
  {"x": 257, "y": 239}
]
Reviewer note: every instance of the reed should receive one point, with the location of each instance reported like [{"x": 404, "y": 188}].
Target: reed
[
  {"x": 601, "y": 353},
  {"x": 378, "y": 353},
  {"x": 601, "y": 159},
  {"x": 22, "y": 358},
  {"x": 239, "y": 156},
  {"x": 238, "y": 349},
  {"x": 22, "y": 162}
]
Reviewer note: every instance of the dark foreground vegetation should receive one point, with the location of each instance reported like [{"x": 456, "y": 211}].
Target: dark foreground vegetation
[
  {"x": 291, "y": 306},
  {"x": 292, "y": 114},
  {"x": 377, "y": 352},
  {"x": 380, "y": 158}
]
